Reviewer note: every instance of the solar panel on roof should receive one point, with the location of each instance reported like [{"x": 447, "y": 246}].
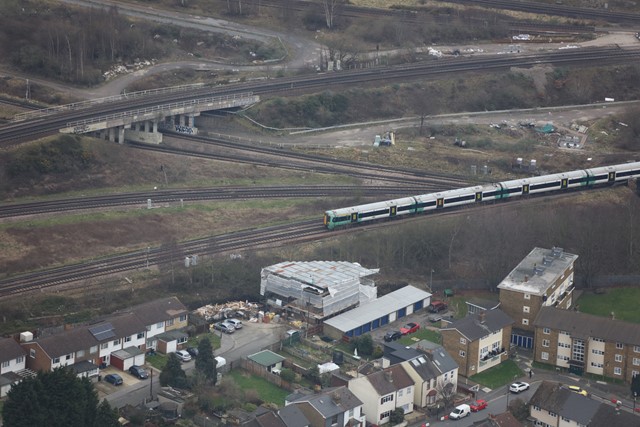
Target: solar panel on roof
[{"x": 102, "y": 332}]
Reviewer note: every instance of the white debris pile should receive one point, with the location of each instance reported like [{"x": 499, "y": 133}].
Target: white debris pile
[
  {"x": 226, "y": 310},
  {"x": 117, "y": 70}
]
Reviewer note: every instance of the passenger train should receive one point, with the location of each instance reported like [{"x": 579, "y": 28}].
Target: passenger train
[{"x": 584, "y": 178}]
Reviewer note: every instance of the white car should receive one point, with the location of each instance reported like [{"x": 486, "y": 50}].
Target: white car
[
  {"x": 519, "y": 386},
  {"x": 237, "y": 324},
  {"x": 183, "y": 355},
  {"x": 460, "y": 411}
]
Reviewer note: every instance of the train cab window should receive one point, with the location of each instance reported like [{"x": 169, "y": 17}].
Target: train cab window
[
  {"x": 440, "y": 203},
  {"x": 354, "y": 217},
  {"x": 525, "y": 189},
  {"x": 479, "y": 196}
]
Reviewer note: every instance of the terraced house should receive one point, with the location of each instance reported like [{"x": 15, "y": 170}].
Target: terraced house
[{"x": 584, "y": 343}]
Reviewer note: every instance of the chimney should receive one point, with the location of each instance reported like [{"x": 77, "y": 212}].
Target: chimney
[
  {"x": 482, "y": 316},
  {"x": 388, "y": 375},
  {"x": 336, "y": 397}
]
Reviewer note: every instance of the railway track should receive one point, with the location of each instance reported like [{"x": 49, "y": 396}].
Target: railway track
[
  {"x": 175, "y": 196},
  {"x": 19, "y": 131}
]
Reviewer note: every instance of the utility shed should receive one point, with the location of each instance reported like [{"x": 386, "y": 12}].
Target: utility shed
[
  {"x": 317, "y": 288},
  {"x": 393, "y": 306}
]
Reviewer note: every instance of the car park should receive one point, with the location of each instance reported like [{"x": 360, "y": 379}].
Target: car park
[
  {"x": 437, "y": 307},
  {"x": 183, "y": 355},
  {"x": 392, "y": 336},
  {"x": 237, "y": 324},
  {"x": 576, "y": 389},
  {"x": 460, "y": 411},
  {"x": 224, "y": 327},
  {"x": 518, "y": 386},
  {"x": 478, "y": 405},
  {"x": 409, "y": 328},
  {"x": 433, "y": 318},
  {"x": 138, "y": 372},
  {"x": 193, "y": 351},
  {"x": 114, "y": 379}
]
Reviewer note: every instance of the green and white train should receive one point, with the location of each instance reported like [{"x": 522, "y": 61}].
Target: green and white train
[{"x": 583, "y": 178}]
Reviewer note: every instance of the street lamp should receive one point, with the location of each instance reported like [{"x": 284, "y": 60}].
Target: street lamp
[
  {"x": 431, "y": 280},
  {"x": 507, "y": 399}
]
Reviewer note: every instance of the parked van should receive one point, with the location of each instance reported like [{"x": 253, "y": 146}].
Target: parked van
[{"x": 460, "y": 411}]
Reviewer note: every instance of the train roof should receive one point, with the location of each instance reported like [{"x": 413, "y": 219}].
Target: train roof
[{"x": 373, "y": 206}]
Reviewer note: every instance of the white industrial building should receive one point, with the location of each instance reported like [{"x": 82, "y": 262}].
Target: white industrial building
[
  {"x": 384, "y": 310},
  {"x": 317, "y": 289}
]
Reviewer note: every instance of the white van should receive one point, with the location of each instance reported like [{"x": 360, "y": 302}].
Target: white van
[{"x": 460, "y": 411}]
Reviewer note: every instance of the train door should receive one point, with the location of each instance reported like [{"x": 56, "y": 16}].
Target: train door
[
  {"x": 354, "y": 217},
  {"x": 440, "y": 203},
  {"x": 525, "y": 189},
  {"x": 612, "y": 177},
  {"x": 478, "y": 196},
  {"x": 393, "y": 211},
  {"x": 564, "y": 183}
]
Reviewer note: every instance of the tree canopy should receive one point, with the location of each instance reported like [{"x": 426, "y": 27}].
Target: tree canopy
[
  {"x": 56, "y": 398},
  {"x": 205, "y": 362},
  {"x": 172, "y": 373}
]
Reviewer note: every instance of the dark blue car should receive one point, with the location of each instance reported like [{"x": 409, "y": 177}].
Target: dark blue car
[{"x": 114, "y": 379}]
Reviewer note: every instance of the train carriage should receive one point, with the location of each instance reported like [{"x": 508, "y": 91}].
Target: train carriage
[{"x": 586, "y": 178}]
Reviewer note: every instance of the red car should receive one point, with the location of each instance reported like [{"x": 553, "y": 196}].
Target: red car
[
  {"x": 478, "y": 405},
  {"x": 409, "y": 328}
]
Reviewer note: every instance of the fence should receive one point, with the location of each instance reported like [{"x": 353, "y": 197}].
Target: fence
[{"x": 259, "y": 370}]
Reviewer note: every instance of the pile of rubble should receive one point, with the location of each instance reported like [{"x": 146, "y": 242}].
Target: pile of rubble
[{"x": 240, "y": 309}]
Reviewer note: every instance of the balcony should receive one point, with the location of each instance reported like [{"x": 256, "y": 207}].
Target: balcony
[{"x": 492, "y": 358}]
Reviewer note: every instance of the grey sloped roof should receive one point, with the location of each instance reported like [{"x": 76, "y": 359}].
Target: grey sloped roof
[
  {"x": 582, "y": 325},
  {"x": 10, "y": 349},
  {"x": 380, "y": 380},
  {"x": 270, "y": 419},
  {"x": 443, "y": 360},
  {"x": 292, "y": 416},
  {"x": 159, "y": 310},
  {"x": 332, "y": 401},
  {"x": 473, "y": 328},
  {"x": 67, "y": 342},
  {"x": 609, "y": 416},
  {"x": 551, "y": 397}
]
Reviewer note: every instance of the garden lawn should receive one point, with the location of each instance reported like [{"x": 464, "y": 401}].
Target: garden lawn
[
  {"x": 267, "y": 391},
  {"x": 421, "y": 334},
  {"x": 503, "y": 374},
  {"x": 623, "y": 302}
]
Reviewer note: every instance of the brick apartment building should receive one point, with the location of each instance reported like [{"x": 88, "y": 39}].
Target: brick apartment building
[
  {"x": 582, "y": 343},
  {"x": 544, "y": 278}
]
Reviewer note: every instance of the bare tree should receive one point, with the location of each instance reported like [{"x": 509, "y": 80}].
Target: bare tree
[
  {"x": 446, "y": 393},
  {"x": 330, "y": 9}
]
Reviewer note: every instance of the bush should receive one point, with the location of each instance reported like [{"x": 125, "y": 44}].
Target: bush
[{"x": 288, "y": 375}]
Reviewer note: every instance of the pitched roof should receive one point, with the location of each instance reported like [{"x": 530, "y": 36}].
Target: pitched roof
[
  {"x": 266, "y": 358},
  {"x": 551, "y": 397},
  {"x": 473, "y": 327},
  {"x": 609, "y": 416},
  {"x": 332, "y": 401},
  {"x": 159, "y": 310},
  {"x": 582, "y": 325},
  {"x": 270, "y": 419},
  {"x": 292, "y": 416},
  {"x": 390, "y": 380},
  {"x": 10, "y": 349}
]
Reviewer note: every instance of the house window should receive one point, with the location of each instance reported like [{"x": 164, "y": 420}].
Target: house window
[
  {"x": 564, "y": 333},
  {"x": 463, "y": 341},
  {"x": 525, "y": 308},
  {"x": 525, "y": 321},
  {"x": 127, "y": 339},
  {"x": 565, "y": 419},
  {"x": 552, "y": 414},
  {"x": 463, "y": 353},
  {"x": 68, "y": 357},
  {"x": 619, "y": 346},
  {"x": 618, "y": 358},
  {"x": 169, "y": 322},
  {"x": 600, "y": 352},
  {"x": 6, "y": 364},
  {"x": 20, "y": 359},
  {"x": 597, "y": 339},
  {"x": 116, "y": 342},
  {"x": 400, "y": 392},
  {"x": 80, "y": 353},
  {"x": 636, "y": 361},
  {"x": 446, "y": 375},
  {"x": 140, "y": 335},
  {"x": 385, "y": 414},
  {"x": 56, "y": 360},
  {"x": 334, "y": 420},
  {"x": 385, "y": 399},
  {"x": 408, "y": 390},
  {"x": 544, "y": 355},
  {"x": 537, "y": 408},
  {"x": 104, "y": 345},
  {"x": 160, "y": 325},
  {"x": 617, "y": 371},
  {"x": 527, "y": 296},
  {"x": 545, "y": 343},
  {"x": 32, "y": 353},
  {"x": 183, "y": 318},
  {"x": 596, "y": 365},
  {"x": 546, "y": 331},
  {"x": 350, "y": 413},
  {"x": 93, "y": 349},
  {"x": 634, "y": 373},
  {"x": 182, "y": 340}
]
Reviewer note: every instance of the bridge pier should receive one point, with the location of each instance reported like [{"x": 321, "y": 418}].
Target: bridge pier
[{"x": 145, "y": 132}]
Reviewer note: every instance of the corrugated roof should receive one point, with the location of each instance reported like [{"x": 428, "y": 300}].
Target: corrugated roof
[
  {"x": 321, "y": 274},
  {"x": 266, "y": 358},
  {"x": 550, "y": 264},
  {"x": 582, "y": 325},
  {"x": 473, "y": 327},
  {"x": 386, "y": 304}
]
